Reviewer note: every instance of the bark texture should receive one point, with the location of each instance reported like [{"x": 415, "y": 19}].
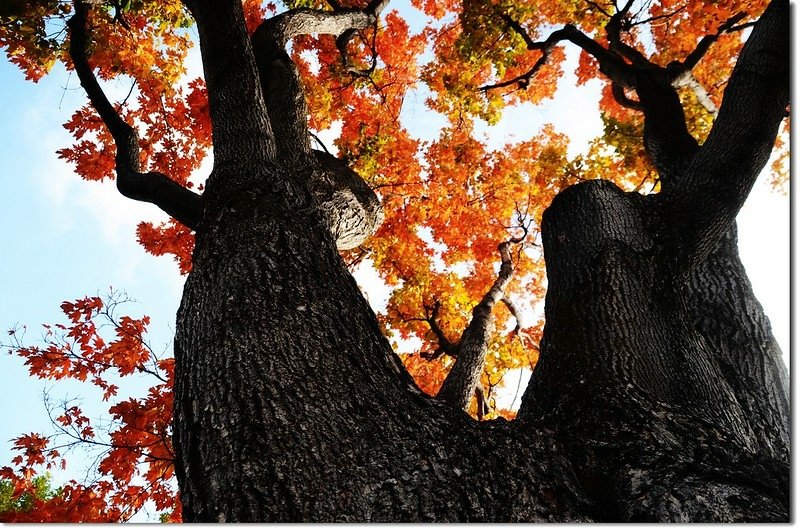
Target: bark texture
[
  {"x": 293, "y": 407},
  {"x": 350, "y": 209},
  {"x": 659, "y": 393},
  {"x": 464, "y": 376},
  {"x": 652, "y": 330}
]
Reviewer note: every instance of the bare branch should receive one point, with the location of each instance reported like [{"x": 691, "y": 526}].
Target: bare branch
[
  {"x": 517, "y": 27},
  {"x": 280, "y": 80},
  {"x": 463, "y": 377},
  {"x": 701, "y": 93},
  {"x": 657, "y": 17},
  {"x": 374, "y": 8},
  {"x": 512, "y": 308},
  {"x": 614, "y": 29},
  {"x": 596, "y": 6},
  {"x": 610, "y": 63}
]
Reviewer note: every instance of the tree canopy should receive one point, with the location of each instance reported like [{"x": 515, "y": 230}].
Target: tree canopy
[{"x": 458, "y": 237}]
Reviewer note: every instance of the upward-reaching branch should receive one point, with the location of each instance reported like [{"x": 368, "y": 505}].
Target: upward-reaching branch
[
  {"x": 614, "y": 34},
  {"x": 280, "y": 81},
  {"x": 679, "y": 68},
  {"x": 667, "y": 139},
  {"x": 242, "y": 133},
  {"x": 721, "y": 175},
  {"x": 463, "y": 377},
  {"x": 154, "y": 187}
]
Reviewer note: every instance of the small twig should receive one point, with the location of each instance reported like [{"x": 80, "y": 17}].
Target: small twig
[{"x": 319, "y": 142}]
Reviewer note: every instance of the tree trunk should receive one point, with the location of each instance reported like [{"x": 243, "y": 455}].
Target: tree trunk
[
  {"x": 724, "y": 309},
  {"x": 639, "y": 397},
  {"x": 654, "y": 398},
  {"x": 290, "y": 404}
]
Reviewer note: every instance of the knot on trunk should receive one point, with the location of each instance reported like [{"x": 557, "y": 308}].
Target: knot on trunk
[{"x": 351, "y": 209}]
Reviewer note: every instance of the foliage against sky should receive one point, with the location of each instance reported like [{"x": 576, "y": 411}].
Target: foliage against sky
[{"x": 449, "y": 201}]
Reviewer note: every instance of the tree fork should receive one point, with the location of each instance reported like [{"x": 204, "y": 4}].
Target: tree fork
[
  {"x": 286, "y": 388},
  {"x": 351, "y": 210}
]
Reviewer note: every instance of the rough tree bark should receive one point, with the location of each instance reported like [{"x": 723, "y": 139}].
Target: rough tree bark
[
  {"x": 470, "y": 350},
  {"x": 659, "y": 393}
]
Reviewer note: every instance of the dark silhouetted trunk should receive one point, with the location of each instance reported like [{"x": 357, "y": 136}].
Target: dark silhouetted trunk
[{"x": 659, "y": 394}]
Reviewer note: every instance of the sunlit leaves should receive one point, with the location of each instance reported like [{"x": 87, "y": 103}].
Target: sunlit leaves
[
  {"x": 170, "y": 238},
  {"x": 143, "y": 44},
  {"x": 449, "y": 197},
  {"x": 426, "y": 252},
  {"x": 32, "y": 34},
  {"x": 133, "y": 445},
  {"x": 16, "y": 503}
]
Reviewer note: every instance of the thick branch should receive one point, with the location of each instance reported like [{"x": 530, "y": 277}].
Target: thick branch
[
  {"x": 723, "y": 172},
  {"x": 280, "y": 81},
  {"x": 284, "y": 27},
  {"x": 241, "y": 129},
  {"x": 666, "y": 137},
  {"x": 283, "y": 94},
  {"x": 153, "y": 187},
  {"x": 463, "y": 377},
  {"x": 351, "y": 209}
]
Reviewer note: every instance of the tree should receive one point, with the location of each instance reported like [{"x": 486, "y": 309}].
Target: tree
[{"x": 659, "y": 393}]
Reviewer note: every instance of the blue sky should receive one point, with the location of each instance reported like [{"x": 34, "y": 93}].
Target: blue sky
[{"x": 63, "y": 238}]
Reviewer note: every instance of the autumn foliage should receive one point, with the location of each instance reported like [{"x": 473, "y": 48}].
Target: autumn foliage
[
  {"x": 133, "y": 446},
  {"x": 449, "y": 194}
]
